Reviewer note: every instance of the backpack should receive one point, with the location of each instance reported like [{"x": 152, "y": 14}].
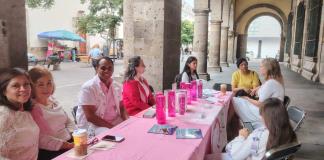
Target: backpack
[{"x": 177, "y": 79}]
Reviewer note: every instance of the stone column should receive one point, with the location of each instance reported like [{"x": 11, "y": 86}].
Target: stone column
[
  {"x": 214, "y": 51},
  {"x": 13, "y": 41},
  {"x": 259, "y": 49},
  {"x": 152, "y": 31},
  {"x": 224, "y": 45},
  {"x": 200, "y": 41},
  {"x": 231, "y": 38},
  {"x": 282, "y": 48},
  {"x": 241, "y": 46}
]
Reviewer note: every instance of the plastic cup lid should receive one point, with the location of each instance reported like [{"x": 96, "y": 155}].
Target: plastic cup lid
[{"x": 79, "y": 132}]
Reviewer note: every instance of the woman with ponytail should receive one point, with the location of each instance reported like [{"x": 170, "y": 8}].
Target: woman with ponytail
[{"x": 137, "y": 95}]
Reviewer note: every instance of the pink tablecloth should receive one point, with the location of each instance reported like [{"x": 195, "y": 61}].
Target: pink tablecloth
[{"x": 140, "y": 145}]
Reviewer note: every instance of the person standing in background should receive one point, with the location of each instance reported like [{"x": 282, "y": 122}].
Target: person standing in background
[
  {"x": 94, "y": 55},
  {"x": 74, "y": 52}
]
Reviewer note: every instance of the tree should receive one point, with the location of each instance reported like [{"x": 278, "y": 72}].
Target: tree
[
  {"x": 40, "y": 3},
  {"x": 187, "y": 29},
  {"x": 103, "y": 18}
]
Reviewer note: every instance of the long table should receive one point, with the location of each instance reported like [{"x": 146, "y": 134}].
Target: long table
[{"x": 141, "y": 145}]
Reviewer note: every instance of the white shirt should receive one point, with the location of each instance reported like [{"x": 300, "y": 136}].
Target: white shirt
[
  {"x": 60, "y": 124},
  {"x": 19, "y": 135},
  {"x": 271, "y": 89},
  {"x": 107, "y": 105},
  {"x": 185, "y": 77},
  {"x": 251, "y": 148}
]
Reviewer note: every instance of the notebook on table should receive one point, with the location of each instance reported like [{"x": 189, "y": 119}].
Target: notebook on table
[
  {"x": 162, "y": 129},
  {"x": 188, "y": 133}
]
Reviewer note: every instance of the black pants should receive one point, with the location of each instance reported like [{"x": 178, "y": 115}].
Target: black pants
[
  {"x": 48, "y": 155},
  {"x": 241, "y": 93}
]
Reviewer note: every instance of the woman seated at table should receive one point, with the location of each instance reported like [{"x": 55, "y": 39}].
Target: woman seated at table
[
  {"x": 276, "y": 131},
  {"x": 244, "y": 81},
  {"x": 189, "y": 71},
  {"x": 137, "y": 95},
  {"x": 54, "y": 124},
  {"x": 19, "y": 133},
  {"x": 248, "y": 109}
]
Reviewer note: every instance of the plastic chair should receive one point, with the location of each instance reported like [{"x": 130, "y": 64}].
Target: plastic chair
[
  {"x": 283, "y": 152},
  {"x": 74, "y": 110},
  {"x": 296, "y": 115},
  {"x": 286, "y": 101},
  {"x": 217, "y": 86}
]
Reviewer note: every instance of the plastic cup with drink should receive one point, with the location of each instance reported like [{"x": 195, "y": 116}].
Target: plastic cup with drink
[{"x": 80, "y": 138}]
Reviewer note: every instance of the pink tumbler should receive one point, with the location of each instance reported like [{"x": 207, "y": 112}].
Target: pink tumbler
[
  {"x": 160, "y": 109},
  {"x": 193, "y": 90},
  {"x": 200, "y": 89},
  {"x": 182, "y": 103},
  {"x": 171, "y": 103},
  {"x": 188, "y": 88},
  {"x": 183, "y": 85}
]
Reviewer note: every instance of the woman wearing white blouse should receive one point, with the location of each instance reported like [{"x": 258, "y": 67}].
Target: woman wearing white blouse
[
  {"x": 18, "y": 131},
  {"x": 277, "y": 131},
  {"x": 55, "y": 126},
  {"x": 189, "y": 71}
]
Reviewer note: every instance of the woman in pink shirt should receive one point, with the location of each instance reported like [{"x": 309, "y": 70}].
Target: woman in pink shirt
[
  {"x": 137, "y": 95},
  {"x": 55, "y": 125},
  {"x": 18, "y": 131}
]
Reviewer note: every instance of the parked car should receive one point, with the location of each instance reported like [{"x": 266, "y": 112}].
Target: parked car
[{"x": 32, "y": 59}]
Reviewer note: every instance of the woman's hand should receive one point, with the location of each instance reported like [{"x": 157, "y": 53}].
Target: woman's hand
[
  {"x": 254, "y": 91},
  {"x": 67, "y": 145},
  {"x": 246, "y": 97},
  {"x": 244, "y": 132},
  {"x": 248, "y": 91}
]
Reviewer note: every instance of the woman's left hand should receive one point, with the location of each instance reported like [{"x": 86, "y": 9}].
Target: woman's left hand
[
  {"x": 254, "y": 91},
  {"x": 67, "y": 145},
  {"x": 245, "y": 97},
  {"x": 244, "y": 132}
]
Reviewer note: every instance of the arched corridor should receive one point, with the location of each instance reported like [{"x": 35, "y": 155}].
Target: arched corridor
[{"x": 263, "y": 38}]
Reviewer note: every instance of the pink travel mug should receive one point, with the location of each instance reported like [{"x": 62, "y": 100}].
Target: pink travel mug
[
  {"x": 182, "y": 103},
  {"x": 160, "y": 109},
  {"x": 183, "y": 85},
  {"x": 193, "y": 90},
  {"x": 188, "y": 88},
  {"x": 200, "y": 89},
  {"x": 171, "y": 103}
]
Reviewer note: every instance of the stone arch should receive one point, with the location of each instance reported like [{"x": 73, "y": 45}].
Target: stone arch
[
  {"x": 253, "y": 12},
  {"x": 263, "y": 14},
  {"x": 262, "y": 5}
]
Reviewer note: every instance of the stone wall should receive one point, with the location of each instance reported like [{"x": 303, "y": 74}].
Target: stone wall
[
  {"x": 13, "y": 44},
  {"x": 152, "y": 31}
]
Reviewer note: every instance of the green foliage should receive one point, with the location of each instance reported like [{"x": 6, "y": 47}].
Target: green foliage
[
  {"x": 40, "y": 3},
  {"x": 103, "y": 18},
  {"x": 187, "y": 29}
]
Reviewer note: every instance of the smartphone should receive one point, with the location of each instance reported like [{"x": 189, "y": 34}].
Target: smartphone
[
  {"x": 249, "y": 126},
  {"x": 113, "y": 138}
]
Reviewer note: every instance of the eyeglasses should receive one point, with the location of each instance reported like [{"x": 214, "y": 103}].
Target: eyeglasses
[{"x": 93, "y": 141}]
